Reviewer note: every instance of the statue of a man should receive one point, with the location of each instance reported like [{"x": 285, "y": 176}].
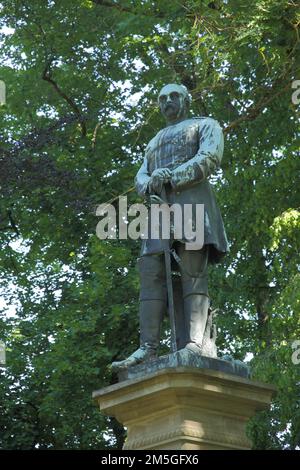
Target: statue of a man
[{"x": 179, "y": 160}]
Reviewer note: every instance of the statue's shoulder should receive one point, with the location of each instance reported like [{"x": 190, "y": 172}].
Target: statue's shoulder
[{"x": 154, "y": 141}]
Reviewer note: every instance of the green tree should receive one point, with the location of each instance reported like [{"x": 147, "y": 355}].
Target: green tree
[{"x": 81, "y": 82}]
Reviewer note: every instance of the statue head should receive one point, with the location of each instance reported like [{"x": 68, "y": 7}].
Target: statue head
[{"x": 174, "y": 102}]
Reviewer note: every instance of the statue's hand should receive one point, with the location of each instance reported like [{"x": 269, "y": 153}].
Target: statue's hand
[
  {"x": 186, "y": 174},
  {"x": 162, "y": 173},
  {"x": 158, "y": 178}
]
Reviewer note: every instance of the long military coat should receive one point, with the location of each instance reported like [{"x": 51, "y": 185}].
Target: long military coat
[{"x": 185, "y": 148}]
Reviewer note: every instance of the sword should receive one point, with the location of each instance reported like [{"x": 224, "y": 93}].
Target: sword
[{"x": 162, "y": 199}]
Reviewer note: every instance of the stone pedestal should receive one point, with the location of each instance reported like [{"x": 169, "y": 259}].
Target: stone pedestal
[{"x": 185, "y": 408}]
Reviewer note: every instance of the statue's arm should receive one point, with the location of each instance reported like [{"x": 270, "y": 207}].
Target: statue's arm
[
  {"x": 206, "y": 160},
  {"x": 142, "y": 179}
]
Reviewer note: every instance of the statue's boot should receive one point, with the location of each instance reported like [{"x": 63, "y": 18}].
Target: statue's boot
[
  {"x": 151, "y": 315},
  {"x": 196, "y": 313}
]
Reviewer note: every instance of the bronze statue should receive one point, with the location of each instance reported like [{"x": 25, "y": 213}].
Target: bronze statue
[{"x": 176, "y": 167}]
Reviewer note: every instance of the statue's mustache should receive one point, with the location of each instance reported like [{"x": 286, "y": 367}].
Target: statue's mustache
[{"x": 169, "y": 105}]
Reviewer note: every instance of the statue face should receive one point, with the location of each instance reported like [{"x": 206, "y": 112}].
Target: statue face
[{"x": 171, "y": 102}]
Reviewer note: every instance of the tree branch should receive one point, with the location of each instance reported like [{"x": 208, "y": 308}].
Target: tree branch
[
  {"x": 47, "y": 77},
  {"x": 254, "y": 111},
  {"x": 13, "y": 225}
]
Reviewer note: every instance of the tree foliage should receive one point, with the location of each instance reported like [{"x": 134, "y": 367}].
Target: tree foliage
[{"x": 81, "y": 81}]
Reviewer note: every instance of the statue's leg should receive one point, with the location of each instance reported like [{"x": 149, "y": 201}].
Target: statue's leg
[
  {"x": 152, "y": 307},
  {"x": 195, "y": 294}
]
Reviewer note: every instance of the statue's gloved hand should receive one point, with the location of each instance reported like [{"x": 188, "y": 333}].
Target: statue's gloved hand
[
  {"x": 186, "y": 174},
  {"x": 158, "y": 178}
]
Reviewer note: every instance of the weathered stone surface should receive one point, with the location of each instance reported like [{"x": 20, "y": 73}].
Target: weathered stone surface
[
  {"x": 185, "y": 358},
  {"x": 185, "y": 408}
]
